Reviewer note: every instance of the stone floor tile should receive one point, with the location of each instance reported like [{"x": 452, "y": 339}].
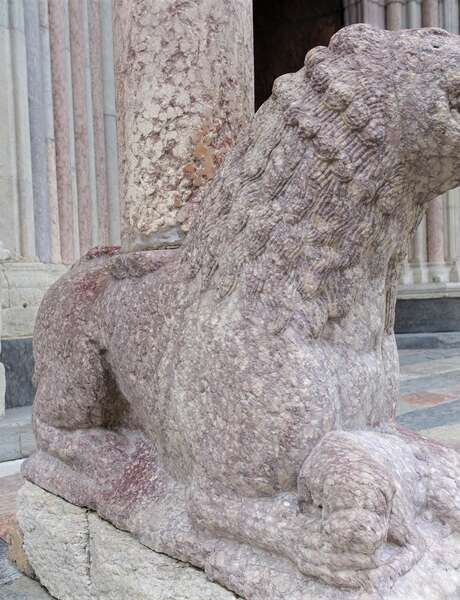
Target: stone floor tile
[
  {"x": 14, "y": 586},
  {"x": 8, "y": 490},
  {"x": 447, "y": 413},
  {"x": 16, "y": 437},
  {"x": 427, "y": 398},
  {"x": 447, "y": 434}
]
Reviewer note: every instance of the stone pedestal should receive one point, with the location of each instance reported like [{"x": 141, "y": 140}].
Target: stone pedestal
[
  {"x": 78, "y": 556},
  {"x": 185, "y": 89}
]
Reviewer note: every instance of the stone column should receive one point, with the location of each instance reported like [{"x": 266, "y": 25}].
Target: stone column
[
  {"x": 395, "y": 15},
  {"x": 110, "y": 122},
  {"x": 184, "y": 84},
  {"x": 365, "y": 11},
  {"x": 80, "y": 117},
  {"x": 435, "y": 212},
  {"x": 53, "y": 205},
  {"x": 9, "y": 200},
  {"x": 4, "y": 255},
  {"x": 97, "y": 101},
  {"x": 37, "y": 122},
  {"x": 22, "y": 129},
  {"x": 63, "y": 125}
]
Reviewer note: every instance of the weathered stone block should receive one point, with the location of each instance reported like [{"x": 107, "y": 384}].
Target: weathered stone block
[
  {"x": 56, "y": 543},
  {"x": 78, "y": 556}
]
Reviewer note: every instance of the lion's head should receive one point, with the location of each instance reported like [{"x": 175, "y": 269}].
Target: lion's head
[{"x": 323, "y": 192}]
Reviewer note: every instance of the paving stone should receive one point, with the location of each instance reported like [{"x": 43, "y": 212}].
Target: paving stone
[
  {"x": 13, "y": 585},
  {"x": 10, "y": 448},
  {"x": 448, "y": 434},
  {"x": 429, "y": 383},
  {"x": 7, "y": 572},
  {"x": 427, "y": 398},
  {"x": 8, "y": 490},
  {"x": 428, "y": 340},
  {"x": 435, "y": 416}
]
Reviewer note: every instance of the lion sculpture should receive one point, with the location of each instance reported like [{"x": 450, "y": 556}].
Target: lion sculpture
[{"x": 232, "y": 402}]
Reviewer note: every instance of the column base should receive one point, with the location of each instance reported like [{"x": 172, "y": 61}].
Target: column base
[{"x": 78, "y": 556}]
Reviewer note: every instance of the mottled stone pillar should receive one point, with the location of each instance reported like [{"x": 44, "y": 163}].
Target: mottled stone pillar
[{"x": 184, "y": 82}]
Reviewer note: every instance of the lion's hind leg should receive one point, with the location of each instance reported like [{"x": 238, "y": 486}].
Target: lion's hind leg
[{"x": 86, "y": 453}]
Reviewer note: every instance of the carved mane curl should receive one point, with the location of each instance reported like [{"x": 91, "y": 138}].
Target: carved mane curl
[{"x": 293, "y": 211}]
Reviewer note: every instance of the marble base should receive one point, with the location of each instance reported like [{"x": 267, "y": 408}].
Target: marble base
[{"x": 78, "y": 556}]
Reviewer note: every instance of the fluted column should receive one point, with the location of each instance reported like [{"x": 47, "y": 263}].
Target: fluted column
[{"x": 181, "y": 102}]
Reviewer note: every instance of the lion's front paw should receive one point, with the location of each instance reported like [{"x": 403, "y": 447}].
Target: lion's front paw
[
  {"x": 367, "y": 513},
  {"x": 440, "y": 469}
]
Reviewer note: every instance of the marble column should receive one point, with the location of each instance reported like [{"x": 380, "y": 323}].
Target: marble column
[
  {"x": 435, "y": 212},
  {"x": 184, "y": 82},
  {"x": 97, "y": 100},
  {"x": 9, "y": 200},
  {"x": 37, "y": 121},
  {"x": 63, "y": 126},
  {"x": 110, "y": 122},
  {"x": 364, "y": 11},
  {"x": 50, "y": 152},
  {"x": 395, "y": 16},
  {"x": 80, "y": 116},
  {"x": 22, "y": 129}
]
